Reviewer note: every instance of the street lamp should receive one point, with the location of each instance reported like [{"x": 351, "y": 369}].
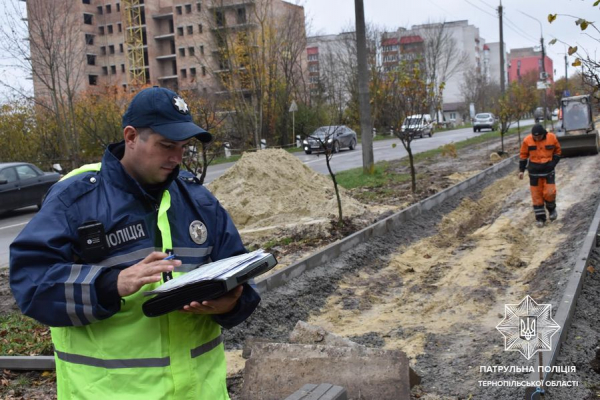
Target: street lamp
[{"x": 543, "y": 64}]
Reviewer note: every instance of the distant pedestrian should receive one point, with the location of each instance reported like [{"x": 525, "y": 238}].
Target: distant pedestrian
[{"x": 540, "y": 152}]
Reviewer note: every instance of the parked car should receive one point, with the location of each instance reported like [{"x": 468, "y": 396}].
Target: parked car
[
  {"x": 334, "y": 137},
  {"x": 485, "y": 121},
  {"x": 418, "y": 125},
  {"x": 555, "y": 113},
  {"x": 23, "y": 184},
  {"x": 539, "y": 113}
]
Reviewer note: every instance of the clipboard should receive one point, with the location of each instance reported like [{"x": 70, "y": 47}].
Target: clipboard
[{"x": 173, "y": 295}]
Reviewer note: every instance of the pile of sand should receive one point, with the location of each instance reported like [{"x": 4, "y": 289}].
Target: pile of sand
[{"x": 272, "y": 188}]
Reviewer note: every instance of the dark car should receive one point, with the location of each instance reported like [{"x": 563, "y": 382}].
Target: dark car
[
  {"x": 23, "y": 185},
  {"x": 539, "y": 114},
  {"x": 334, "y": 137}
]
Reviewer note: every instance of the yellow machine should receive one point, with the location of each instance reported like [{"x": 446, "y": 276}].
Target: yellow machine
[{"x": 578, "y": 135}]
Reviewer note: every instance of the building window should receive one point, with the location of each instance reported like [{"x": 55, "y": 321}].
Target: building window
[
  {"x": 120, "y": 47},
  {"x": 220, "y": 18},
  {"x": 119, "y": 27},
  {"x": 108, "y": 9},
  {"x": 110, "y": 29},
  {"x": 111, "y": 49},
  {"x": 103, "y": 50},
  {"x": 199, "y": 7},
  {"x": 118, "y": 7},
  {"x": 200, "y": 28},
  {"x": 183, "y": 73},
  {"x": 241, "y": 15},
  {"x": 201, "y": 49},
  {"x": 313, "y": 57},
  {"x": 191, "y": 51},
  {"x": 86, "y": 1},
  {"x": 91, "y": 59},
  {"x": 93, "y": 80},
  {"x": 88, "y": 19},
  {"x": 188, "y": 8},
  {"x": 203, "y": 70},
  {"x": 190, "y": 29},
  {"x": 178, "y": 9},
  {"x": 113, "y": 69},
  {"x": 313, "y": 68},
  {"x": 453, "y": 116},
  {"x": 193, "y": 71},
  {"x": 101, "y": 30},
  {"x": 122, "y": 67},
  {"x": 105, "y": 70},
  {"x": 180, "y": 30},
  {"x": 182, "y": 52},
  {"x": 100, "y": 10},
  {"x": 89, "y": 39},
  {"x": 314, "y": 79}
]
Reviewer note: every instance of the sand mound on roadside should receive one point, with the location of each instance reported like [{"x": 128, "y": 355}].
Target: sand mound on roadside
[{"x": 272, "y": 188}]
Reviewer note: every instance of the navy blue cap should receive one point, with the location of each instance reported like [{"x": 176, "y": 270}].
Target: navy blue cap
[{"x": 166, "y": 113}]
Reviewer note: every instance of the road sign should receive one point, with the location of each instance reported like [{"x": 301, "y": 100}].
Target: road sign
[
  {"x": 541, "y": 85},
  {"x": 294, "y": 106}
]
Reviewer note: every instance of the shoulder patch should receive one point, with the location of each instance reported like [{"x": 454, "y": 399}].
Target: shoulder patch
[{"x": 70, "y": 190}]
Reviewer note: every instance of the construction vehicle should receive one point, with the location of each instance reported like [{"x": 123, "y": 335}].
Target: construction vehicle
[{"x": 578, "y": 135}]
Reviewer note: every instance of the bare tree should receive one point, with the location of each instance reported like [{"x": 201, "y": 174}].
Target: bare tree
[
  {"x": 443, "y": 59},
  {"x": 54, "y": 56}
]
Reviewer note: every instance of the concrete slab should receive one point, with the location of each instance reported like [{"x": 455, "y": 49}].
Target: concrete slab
[
  {"x": 275, "y": 369},
  {"x": 324, "y": 391}
]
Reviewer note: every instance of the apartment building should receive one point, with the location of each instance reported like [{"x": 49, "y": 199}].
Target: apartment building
[
  {"x": 526, "y": 60},
  {"x": 169, "y": 43}
]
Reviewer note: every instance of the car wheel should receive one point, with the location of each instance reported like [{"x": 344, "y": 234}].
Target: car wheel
[
  {"x": 336, "y": 147},
  {"x": 474, "y": 129},
  {"x": 430, "y": 133},
  {"x": 352, "y": 144},
  {"x": 307, "y": 151},
  {"x": 39, "y": 205}
]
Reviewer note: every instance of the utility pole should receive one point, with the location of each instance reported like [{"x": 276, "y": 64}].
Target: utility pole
[
  {"x": 363, "y": 90},
  {"x": 502, "y": 83},
  {"x": 545, "y": 78},
  {"x": 566, "y": 71}
]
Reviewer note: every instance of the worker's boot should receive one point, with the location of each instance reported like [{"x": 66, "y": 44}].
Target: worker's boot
[
  {"x": 553, "y": 215},
  {"x": 540, "y": 223}
]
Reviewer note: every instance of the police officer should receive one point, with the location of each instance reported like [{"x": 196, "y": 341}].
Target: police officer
[
  {"x": 540, "y": 152},
  {"x": 103, "y": 237}
]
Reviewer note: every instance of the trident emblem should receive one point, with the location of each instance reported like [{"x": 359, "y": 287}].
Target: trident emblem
[{"x": 528, "y": 327}]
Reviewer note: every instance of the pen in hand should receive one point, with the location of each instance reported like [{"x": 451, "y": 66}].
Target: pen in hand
[{"x": 167, "y": 276}]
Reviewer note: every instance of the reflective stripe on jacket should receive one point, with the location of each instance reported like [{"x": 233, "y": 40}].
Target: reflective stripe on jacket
[
  {"x": 119, "y": 353},
  {"x": 543, "y": 155}
]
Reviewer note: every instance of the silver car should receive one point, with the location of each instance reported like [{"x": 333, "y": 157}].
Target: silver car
[{"x": 485, "y": 121}]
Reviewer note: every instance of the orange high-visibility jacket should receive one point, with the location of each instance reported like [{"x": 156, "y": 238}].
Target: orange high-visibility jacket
[{"x": 543, "y": 155}]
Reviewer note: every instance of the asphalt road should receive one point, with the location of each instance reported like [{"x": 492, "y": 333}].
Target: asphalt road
[{"x": 12, "y": 223}]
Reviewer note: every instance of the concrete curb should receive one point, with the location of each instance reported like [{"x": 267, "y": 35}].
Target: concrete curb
[
  {"x": 380, "y": 228},
  {"x": 568, "y": 302},
  {"x": 329, "y": 253}
]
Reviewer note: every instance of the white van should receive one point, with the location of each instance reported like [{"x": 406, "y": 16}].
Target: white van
[{"x": 418, "y": 124}]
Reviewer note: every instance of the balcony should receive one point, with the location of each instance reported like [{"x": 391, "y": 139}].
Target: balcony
[
  {"x": 168, "y": 15},
  {"x": 167, "y": 57},
  {"x": 233, "y": 4},
  {"x": 234, "y": 27},
  {"x": 167, "y": 77},
  {"x": 165, "y": 36}
]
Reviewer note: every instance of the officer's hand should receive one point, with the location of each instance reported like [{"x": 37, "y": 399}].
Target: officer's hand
[
  {"x": 222, "y": 305},
  {"x": 520, "y": 175},
  {"x": 149, "y": 270}
]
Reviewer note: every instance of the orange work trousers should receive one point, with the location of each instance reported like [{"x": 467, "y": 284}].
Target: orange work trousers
[{"x": 543, "y": 193}]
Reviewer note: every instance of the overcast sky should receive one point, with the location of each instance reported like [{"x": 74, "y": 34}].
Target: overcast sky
[{"x": 333, "y": 16}]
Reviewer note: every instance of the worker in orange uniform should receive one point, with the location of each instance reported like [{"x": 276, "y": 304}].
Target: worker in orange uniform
[{"x": 542, "y": 150}]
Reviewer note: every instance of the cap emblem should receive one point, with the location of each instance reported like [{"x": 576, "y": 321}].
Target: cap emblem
[{"x": 180, "y": 105}]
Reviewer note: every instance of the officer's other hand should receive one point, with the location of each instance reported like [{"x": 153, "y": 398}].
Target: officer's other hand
[
  {"x": 521, "y": 175},
  {"x": 149, "y": 270},
  {"x": 222, "y": 305}
]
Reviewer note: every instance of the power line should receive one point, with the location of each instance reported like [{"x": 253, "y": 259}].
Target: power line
[
  {"x": 481, "y": 9},
  {"x": 490, "y": 6},
  {"x": 515, "y": 28},
  {"x": 444, "y": 10}
]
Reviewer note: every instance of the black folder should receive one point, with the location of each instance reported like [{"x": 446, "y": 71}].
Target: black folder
[{"x": 174, "y": 299}]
